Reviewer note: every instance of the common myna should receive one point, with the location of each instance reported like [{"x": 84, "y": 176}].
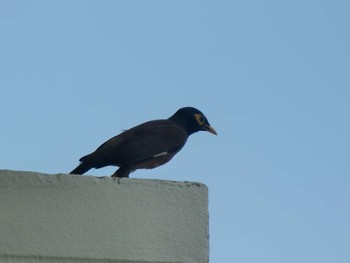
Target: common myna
[{"x": 147, "y": 145}]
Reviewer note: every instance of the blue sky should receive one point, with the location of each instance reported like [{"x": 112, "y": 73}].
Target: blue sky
[{"x": 272, "y": 77}]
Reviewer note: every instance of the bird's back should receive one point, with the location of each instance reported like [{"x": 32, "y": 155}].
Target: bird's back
[{"x": 139, "y": 143}]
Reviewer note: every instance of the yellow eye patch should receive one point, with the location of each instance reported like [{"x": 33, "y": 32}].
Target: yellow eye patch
[{"x": 200, "y": 118}]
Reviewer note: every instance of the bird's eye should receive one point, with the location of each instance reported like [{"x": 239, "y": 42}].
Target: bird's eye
[{"x": 200, "y": 119}]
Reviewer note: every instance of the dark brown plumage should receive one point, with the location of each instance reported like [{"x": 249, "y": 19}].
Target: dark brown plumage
[{"x": 147, "y": 145}]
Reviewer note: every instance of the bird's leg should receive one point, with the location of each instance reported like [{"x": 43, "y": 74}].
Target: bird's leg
[{"x": 122, "y": 172}]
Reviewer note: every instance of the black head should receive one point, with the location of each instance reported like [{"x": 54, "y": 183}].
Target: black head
[{"x": 192, "y": 120}]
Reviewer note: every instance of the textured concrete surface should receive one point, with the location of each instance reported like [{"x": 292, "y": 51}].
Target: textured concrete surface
[{"x": 68, "y": 218}]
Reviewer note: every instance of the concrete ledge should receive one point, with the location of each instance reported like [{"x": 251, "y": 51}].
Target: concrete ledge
[{"x": 69, "y": 218}]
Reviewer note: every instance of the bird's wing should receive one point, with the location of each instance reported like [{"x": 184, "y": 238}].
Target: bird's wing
[{"x": 150, "y": 139}]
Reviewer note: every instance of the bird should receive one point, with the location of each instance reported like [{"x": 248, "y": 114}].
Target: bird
[{"x": 148, "y": 145}]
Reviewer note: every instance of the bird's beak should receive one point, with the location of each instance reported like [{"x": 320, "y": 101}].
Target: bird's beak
[{"x": 210, "y": 129}]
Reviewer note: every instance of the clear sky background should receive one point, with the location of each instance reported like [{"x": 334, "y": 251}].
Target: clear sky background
[{"x": 272, "y": 77}]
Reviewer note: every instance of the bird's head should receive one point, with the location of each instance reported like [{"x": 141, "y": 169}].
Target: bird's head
[{"x": 192, "y": 120}]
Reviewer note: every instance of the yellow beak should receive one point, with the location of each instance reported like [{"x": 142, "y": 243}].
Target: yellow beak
[{"x": 210, "y": 129}]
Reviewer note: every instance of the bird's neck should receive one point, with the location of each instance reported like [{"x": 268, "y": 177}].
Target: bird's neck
[{"x": 184, "y": 124}]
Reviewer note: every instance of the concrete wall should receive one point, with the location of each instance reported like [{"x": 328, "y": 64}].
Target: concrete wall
[{"x": 69, "y": 218}]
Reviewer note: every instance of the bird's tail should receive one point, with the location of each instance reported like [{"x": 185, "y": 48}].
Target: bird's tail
[{"x": 81, "y": 168}]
